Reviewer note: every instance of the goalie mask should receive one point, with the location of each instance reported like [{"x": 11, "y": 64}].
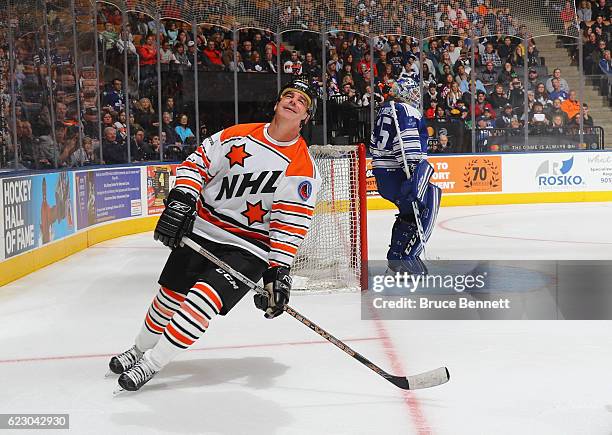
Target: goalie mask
[
  {"x": 404, "y": 89},
  {"x": 303, "y": 87}
]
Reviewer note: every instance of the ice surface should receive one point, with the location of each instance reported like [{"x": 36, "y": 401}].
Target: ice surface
[{"x": 249, "y": 375}]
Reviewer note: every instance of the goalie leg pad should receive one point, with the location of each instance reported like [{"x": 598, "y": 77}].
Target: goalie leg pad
[
  {"x": 403, "y": 235},
  {"x": 420, "y": 179},
  {"x": 429, "y": 213}
]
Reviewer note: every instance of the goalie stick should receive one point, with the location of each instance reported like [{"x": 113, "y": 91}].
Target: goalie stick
[
  {"x": 419, "y": 381},
  {"x": 415, "y": 207}
]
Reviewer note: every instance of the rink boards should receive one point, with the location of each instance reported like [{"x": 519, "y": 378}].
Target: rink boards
[
  {"x": 516, "y": 179},
  {"x": 49, "y": 216}
]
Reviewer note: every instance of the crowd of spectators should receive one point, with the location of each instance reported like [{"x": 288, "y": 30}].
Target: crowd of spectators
[
  {"x": 167, "y": 128},
  {"x": 594, "y": 17}
]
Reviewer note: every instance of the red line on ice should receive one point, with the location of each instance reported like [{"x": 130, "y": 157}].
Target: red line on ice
[
  {"x": 412, "y": 403},
  {"x": 243, "y": 346}
]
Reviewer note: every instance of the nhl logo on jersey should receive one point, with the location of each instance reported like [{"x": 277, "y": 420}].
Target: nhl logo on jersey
[{"x": 305, "y": 190}]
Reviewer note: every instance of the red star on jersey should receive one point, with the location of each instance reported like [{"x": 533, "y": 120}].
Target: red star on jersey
[
  {"x": 254, "y": 213},
  {"x": 237, "y": 155}
]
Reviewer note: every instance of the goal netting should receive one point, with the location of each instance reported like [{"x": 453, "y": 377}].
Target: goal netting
[{"x": 333, "y": 256}]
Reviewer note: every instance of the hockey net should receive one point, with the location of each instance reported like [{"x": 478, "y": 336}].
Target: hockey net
[{"x": 333, "y": 256}]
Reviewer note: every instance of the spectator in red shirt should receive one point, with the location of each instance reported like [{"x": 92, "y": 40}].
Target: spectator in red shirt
[
  {"x": 214, "y": 55},
  {"x": 568, "y": 16},
  {"x": 481, "y": 105},
  {"x": 148, "y": 58}
]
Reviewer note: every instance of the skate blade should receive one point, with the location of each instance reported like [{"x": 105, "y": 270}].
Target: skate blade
[
  {"x": 118, "y": 390},
  {"x": 109, "y": 374}
]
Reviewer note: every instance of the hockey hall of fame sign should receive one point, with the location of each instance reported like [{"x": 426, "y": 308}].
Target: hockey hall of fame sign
[
  {"x": 160, "y": 179},
  {"x": 37, "y": 210}
]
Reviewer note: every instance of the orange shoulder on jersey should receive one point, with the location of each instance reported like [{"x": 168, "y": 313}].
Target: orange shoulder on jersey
[
  {"x": 240, "y": 130},
  {"x": 301, "y": 161}
]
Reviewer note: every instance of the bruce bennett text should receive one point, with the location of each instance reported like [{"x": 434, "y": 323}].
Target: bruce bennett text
[{"x": 425, "y": 303}]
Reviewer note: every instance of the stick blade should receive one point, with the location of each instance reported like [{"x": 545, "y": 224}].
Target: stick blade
[{"x": 429, "y": 379}]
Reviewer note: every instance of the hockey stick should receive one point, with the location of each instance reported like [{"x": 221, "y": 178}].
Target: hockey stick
[
  {"x": 428, "y": 379},
  {"x": 415, "y": 207}
]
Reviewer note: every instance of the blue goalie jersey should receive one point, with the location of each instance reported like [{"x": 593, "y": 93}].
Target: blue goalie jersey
[{"x": 384, "y": 144}]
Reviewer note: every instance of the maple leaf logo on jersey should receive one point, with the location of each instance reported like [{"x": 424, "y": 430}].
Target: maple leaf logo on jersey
[
  {"x": 254, "y": 213},
  {"x": 237, "y": 155}
]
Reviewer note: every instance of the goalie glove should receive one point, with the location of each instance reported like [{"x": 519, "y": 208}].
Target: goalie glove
[
  {"x": 277, "y": 284},
  {"x": 177, "y": 218}
]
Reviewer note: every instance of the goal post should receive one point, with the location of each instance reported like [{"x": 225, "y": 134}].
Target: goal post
[{"x": 334, "y": 254}]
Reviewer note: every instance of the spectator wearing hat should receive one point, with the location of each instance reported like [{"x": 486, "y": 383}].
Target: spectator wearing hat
[
  {"x": 516, "y": 95},
  {"x": 483, "y": 132},
  {"x": 505, "y": 118},
  {"x": 192, "y": 53},
  {"x": 489, "y": 115},
  {"x": 532, "y": 79}
]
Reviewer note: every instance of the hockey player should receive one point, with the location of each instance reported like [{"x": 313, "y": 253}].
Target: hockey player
[
  {"x": 247, "y": 195},
  {"x": 399, "y": 146}
]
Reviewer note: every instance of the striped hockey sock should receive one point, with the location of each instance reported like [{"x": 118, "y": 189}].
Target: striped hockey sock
[
  {"x": 188, "y": 323},
  {"x": 163, "y": 307}
]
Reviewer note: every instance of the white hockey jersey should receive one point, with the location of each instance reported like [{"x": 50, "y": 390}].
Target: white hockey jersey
[
  {"x": 384, "y": 143},
  {"x": 253, "y": 192}
]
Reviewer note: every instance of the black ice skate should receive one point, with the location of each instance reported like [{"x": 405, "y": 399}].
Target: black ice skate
[
  {"x": 124, "y": 361},
  {"x": 134, "y": 378}
]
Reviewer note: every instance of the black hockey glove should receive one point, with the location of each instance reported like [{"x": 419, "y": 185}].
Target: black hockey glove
[
  {"x": 277, "y": 284},
  {"x": 177, "y": 219}
]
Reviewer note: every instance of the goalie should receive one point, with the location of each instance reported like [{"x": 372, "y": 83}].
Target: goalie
[
  {"x": 399, "y": 148},
  {"x": 247, "y": 194}
]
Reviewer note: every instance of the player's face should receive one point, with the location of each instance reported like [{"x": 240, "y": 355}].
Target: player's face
[{"x": 293, "y": 106}]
